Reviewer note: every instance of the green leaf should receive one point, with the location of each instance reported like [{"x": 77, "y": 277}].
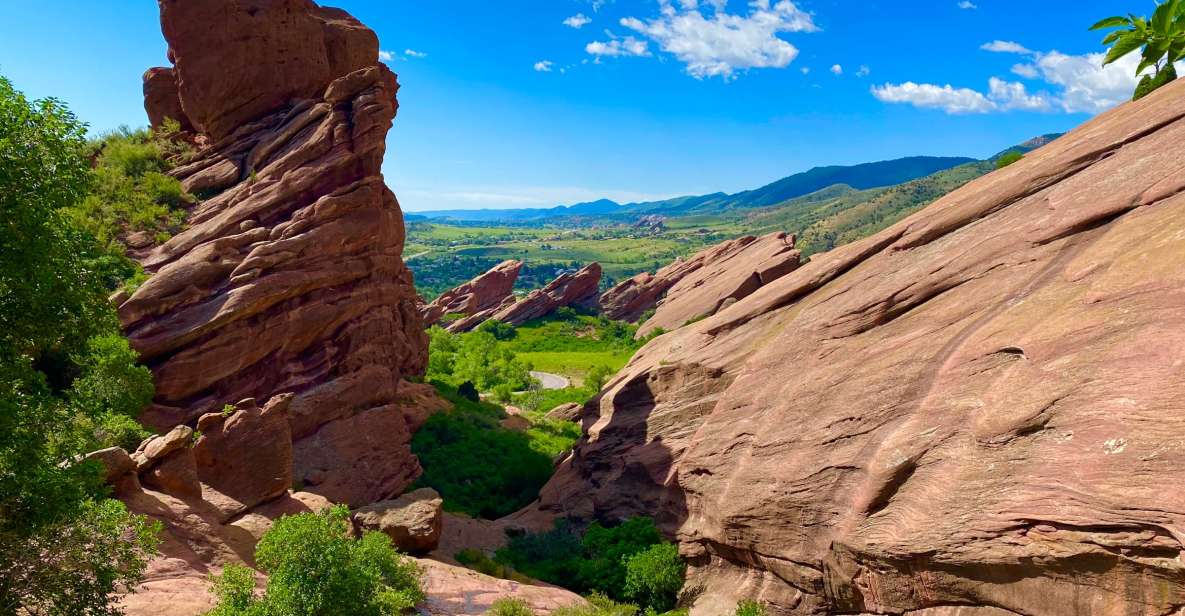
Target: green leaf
[
  {"x": 1111, "y": 38},
  {"x": 1126, "y": 44},
  {"x": 1162, "y": 17},
  {"x": 1111, "y": 22}
]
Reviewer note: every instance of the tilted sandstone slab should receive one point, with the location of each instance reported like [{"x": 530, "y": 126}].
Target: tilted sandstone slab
[
  {"x": 713, "y": 278},
  {"x": 485, "y": 292},
  {"x": 979, "y": 406},
  {"x": 289, "y": 277},
  {"x": 571, "y": 289},
  {"x": 772, "y": 255}
]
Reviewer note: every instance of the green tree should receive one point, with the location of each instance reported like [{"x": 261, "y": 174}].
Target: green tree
[
  {"x": 315, "y": 569},
  {"x": 654, "y": 577},
  {"x": 64, "y": 548},
  {"x": 596, "y": 377},
  {"x": 508, "y": 606},
  {"x": 1161, "y": 39}
]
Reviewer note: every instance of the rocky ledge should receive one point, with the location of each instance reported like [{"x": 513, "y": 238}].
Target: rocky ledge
[{"x": 572, "y": 289}]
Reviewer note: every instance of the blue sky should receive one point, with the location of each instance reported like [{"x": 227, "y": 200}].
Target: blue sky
[{"x": 503, "y": 104}]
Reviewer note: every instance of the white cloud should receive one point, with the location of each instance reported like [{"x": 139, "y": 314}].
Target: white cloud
[
  {"x": 930, "y": 96},
  {"x": 711, "y": 42},
  {"x": 1078, "y": 84},
  {"x": 806, "y": 70},
  {"x": 1009, "y": 95},
  {"x": 628, "y": 46},
  {"x": 1005, "y": 47},
  {"x": 411, "y": 53},
  {"x": 543, "y": 66},
  {"x": 1028, "y": 71},
  {"x": 577, "y": 21},
  {"x": 967, "y": 4},
  {"x": 836, "y": 69},
  {"x": 386, "y": 56},
  {"x": 864, "y": 71}
]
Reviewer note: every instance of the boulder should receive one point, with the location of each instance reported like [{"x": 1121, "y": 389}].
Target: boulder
[
  {"x": 483, "y": 293},
  {"x": 244, "y": 456},
  {"x": 174, "y": 474},
  {"x": 576, "y": 289},
  {"x": 115, "y": 462},
  {"x": 288, "y": 276},
  {"x": 412, "y": 521},
  {"x": 978, "y": 406},
  {"x": 154, "y": 448},
  {"x": 456, "y": 591},
  {"x": 566, "y": 412}
]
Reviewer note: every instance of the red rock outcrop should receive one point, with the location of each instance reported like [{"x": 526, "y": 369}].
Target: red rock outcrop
[
  {"x": 486, "y": 292},
  {"x": 578, "y": 289},
  {"x": 979, "y": 406},
  {"x": 289, "y": 276},
  {"x": 161, "y": 99},
  {"x": 700, "y": 285}
]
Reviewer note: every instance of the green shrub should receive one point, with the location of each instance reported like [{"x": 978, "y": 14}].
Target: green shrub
[
  {"x": 469, "y": 392},
  {"x": 654, "y": 577},
  {"x": 750, "y": 608},
  {"x": 596, "y": 378},
  {"x": 596, "y": 562},
  {"x": 499, "y": 330},
  {"x": 60, "y": 363},
  {"x": 508, "y": 606},
  {"x": 314, "y": 568},
  {"x": 599, "y": 605},
  {"x": 1007, "y": 158},
  {"x": 478, "y": 466}
]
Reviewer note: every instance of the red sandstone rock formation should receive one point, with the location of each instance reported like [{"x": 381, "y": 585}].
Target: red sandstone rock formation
[
  {"x": 699, "y": 286},
  {"x": 979, "y": 406},
  {"x": 571, "y": 289},
  {"x": 486, "y": 292},
  {"x": 289, "y": 276}
]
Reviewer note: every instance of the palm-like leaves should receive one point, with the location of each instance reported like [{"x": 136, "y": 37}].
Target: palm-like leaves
[{"x": 1162, "y": 39}]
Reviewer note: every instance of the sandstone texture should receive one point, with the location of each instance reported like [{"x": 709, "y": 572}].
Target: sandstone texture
[
  {"x": 702, "y": 284},
  {"x": 566, "y": 412},
  {"x": 975, "y": 411},
  {"x": 486, "y": 292},
  {"x": 412, "y": 521},
  {"x": 288, "y": 278},
  {"x": 572, "y": 289}
]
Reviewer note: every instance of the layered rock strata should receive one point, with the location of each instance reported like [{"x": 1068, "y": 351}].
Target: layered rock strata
[
  {"x": 486, "y": 292},
  {"x": 977, "y": 410},
  {"x": 288, "y": 277},
  {"x": 702, "y": 284},
  {"x": 571, "y": 289}
]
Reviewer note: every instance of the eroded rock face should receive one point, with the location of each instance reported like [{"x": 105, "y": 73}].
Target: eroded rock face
[
  {"x": 485, "y": 292},
  {"x": 244, "y": 456},
  {"x": 978, "y": 406},
  {"x": 289, "y": 277},
  {"x": 703, "y": 284},
  {"x": 577, "y": 289}
]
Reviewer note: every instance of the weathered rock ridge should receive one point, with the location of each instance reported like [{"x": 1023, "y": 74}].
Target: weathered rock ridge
[
  {"x": 289, "y": 277},
  {"x": 575, "y": 289},
  {"x": 486, "y": 292},
  {"x": 702, "y": 284},
  {"x": 977, "y": 410}
]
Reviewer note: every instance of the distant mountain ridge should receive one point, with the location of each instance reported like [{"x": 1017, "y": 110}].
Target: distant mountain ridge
[{"x": 861, "y": 176}]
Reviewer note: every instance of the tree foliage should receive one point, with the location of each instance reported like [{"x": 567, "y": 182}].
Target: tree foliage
[
  {"x": 68, "y": 381},
  {"x": 315, "y": 568},
  {"x": 1160, "y": 40},
  {"x": 600, "y": 561}
]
